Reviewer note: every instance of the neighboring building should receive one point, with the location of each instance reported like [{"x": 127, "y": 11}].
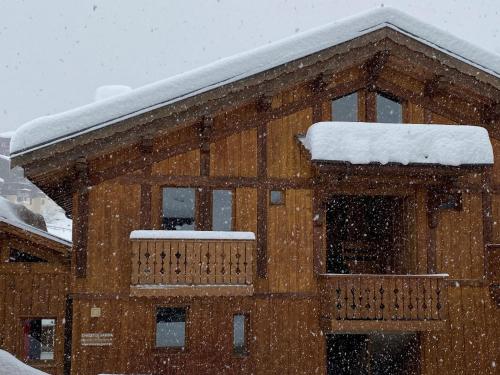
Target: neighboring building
[
  {"x": 34, "y": 280},
  {"x": 18, "y": 189},
  {"x": 5, "y": 142},
  {"x": 217, "y": 230}
]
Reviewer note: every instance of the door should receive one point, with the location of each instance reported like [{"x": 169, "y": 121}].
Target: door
[
  {"x": 373, "y": 354},
  {"x": 363, "y": 234}
]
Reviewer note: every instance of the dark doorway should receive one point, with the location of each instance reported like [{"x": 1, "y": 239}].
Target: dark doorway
[
  {"x": 372, "y": 354},
  {"x": 364, "y": 234}
]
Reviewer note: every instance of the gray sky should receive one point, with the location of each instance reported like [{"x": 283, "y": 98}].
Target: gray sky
[{"x": 55, "y": 53}]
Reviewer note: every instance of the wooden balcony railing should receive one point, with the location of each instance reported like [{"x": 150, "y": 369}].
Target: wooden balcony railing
[
  {"x": 206, "y": 265},
  {"x": 383, "y": 298}
]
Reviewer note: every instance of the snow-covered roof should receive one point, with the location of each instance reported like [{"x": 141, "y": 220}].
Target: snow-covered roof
[
  {"x": 52, "y": 129},
  {"x": 189, "y": 235},
  {"x": 10, "y": 365},
  {"x": 10, "y": 213},
  {"x": 365, "y": 143}
]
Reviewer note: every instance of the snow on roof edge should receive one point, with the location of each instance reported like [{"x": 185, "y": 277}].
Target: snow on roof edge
[
  {"x": 39, "y": 232},
  {"x": 93, "y": 116}
]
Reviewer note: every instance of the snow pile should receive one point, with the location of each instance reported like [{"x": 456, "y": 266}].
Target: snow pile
[
  {"x": 110, "y": 91},
  {"x": 189, "y": 235},
  {"x": 46, "y": 130},
  {"x": 364, "y": 143},
  {"x": 10, "y": 365}
]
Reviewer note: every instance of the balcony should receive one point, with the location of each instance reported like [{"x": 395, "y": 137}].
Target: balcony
[
  {"x": 192, "y": 263},
  {"x": 392, "y": 302}
]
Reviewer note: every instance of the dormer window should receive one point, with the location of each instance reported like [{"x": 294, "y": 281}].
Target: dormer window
[{"x": 389, "y": 110}]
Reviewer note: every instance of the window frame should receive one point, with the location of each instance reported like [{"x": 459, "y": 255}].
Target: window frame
[
  {"x": 393, "y": 98},
  {"x": 22, "y": 319},
  {"x": 283, "y": 200},
  {"x": 203, "y": 205},
  {"x": 233, "y": 206},
  {"x": 172, "y": 349},
  {"x": 196, "y": 200},
  {"x": 367, "y": 104},
  {"x": 246, "y": 350}
]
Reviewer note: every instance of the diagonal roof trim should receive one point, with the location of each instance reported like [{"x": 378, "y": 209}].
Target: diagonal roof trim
[
  {"x": 35, "y": 231},
  {"x": 50, "y": 130}
]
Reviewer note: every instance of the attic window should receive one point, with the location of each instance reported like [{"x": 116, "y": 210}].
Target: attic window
[
  {"x": 389, "y": 110},
  {"x": 345, "y": 108}
]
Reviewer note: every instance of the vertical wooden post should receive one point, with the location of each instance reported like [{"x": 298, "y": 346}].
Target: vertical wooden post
[
  {"x": 432, "y": 222},
  {"x": 263, "y": 105},
  {"x": 4, "y": 248},
  {"x": 147, "y": 150},
  {"x": 204, "y": 195},
  {"x": 371, "y": 106},
  {"x": 82, "y": 217},
  {"x": 487, "y": 215}
]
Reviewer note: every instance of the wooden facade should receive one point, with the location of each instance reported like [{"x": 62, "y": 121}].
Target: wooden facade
[
  {"x": 36, "y": 288},
  {"x": 442, "y": 290}
]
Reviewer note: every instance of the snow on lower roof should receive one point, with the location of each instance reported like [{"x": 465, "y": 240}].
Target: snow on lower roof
[
  {"x": 365, "y": 143},
  {"x": 11, "y": 213},
  {"x": 52, "y": 129},
  {"x": 190, "y": 235}
]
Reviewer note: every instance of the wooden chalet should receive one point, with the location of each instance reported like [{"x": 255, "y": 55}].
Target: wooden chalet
[
  {"x": 34, "y": 281},
  {"x": 210, "y": 238}
]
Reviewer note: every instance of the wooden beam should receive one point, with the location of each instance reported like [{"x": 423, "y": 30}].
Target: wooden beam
[
  {"x": 435, "y": 86},
  {"x": 374, "y": 66},
  {"x": 262, "y": 201},
  {"x": 81, "y": 223}
]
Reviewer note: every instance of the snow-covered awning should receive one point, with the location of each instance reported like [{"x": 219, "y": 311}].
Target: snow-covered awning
[
  {"x": 377, "y": 143},
  {"x": 190, "y": 235}
]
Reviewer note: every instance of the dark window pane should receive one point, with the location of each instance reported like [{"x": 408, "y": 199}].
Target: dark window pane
[
  {"x": 222, "y": 210},
  {"x": 389, "y": 110},
  {"x": 170, "y": 327},
  {"x": 277, "y": 197},
  {"x": 20, "y": 256},
  {"x": 239, "y": 334},
  {"x": 178, "y": 208},
  {"x": 38, "y": 339},
  {"x": 345, "y": 108}
]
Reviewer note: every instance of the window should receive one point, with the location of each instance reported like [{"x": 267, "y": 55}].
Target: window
[
  {"x": 170, "y": 327},
  {"x": 239, "y": 333},
  {"x": 389, "y": 110},
  {"x": 222, "y": 210},
  {"x": 20, "y": 256},
  {"x": 345, "y": 108},
  {"x": 179, "y": 208},
  {"x": 38, "y": 339},
  {"x": 276, "y": 197}
]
